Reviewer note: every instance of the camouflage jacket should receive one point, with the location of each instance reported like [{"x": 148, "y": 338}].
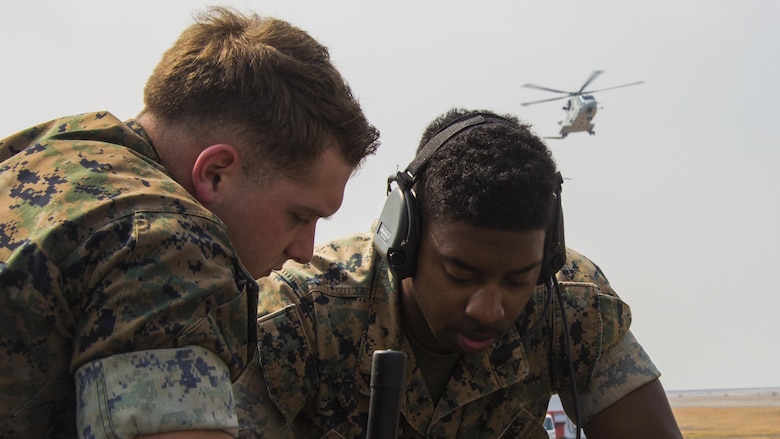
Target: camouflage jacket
[
  {"x": 123, "y": 307},
  {"x": 320, "y": 323}
]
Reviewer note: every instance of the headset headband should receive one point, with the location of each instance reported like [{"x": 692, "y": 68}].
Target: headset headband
[{"x": 408, "y": 177}]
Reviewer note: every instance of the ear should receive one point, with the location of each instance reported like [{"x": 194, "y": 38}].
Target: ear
[{"x": 212, "y": 169}]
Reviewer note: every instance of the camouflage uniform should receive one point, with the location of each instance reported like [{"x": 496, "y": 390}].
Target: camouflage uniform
[
  {"x": 123, "y": 307},
  {"x": 320, "y": 323}
]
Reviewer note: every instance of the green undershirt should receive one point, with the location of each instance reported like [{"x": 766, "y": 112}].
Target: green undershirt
[{"x": 436, "y": 368}]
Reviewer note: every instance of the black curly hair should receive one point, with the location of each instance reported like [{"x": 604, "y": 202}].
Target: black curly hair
[{"x": 498, "y": 175}]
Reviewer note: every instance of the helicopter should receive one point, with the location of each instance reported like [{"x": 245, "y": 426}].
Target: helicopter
[{"x": 580, "y": 108}]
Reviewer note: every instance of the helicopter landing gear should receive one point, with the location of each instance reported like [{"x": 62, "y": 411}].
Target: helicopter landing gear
[{"x": 591, "y": 132}]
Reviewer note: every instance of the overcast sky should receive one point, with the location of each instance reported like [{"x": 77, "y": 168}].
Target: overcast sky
[{"x": 675, "y": 197}]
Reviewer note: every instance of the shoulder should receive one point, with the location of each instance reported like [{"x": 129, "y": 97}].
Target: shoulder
[
  {"x": 610, "y": 363},
  {"x": 330, "y": 291},
  {"x": 100, "y": 127},
  {"x": 579, "y": 268},
  {"x": 343, "y": 262},
  {"x": 97, "y": 169},
  {"x": 340, "y": 267},
  {"x": 585, "y": 287},
  {"x": 91, "y": 172},
  {"x": 596, "y": 317},
  {"x": 584, "y": 284}
]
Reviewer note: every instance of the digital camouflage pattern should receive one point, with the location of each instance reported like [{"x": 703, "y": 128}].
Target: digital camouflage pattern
[
  {"x": 111, "y": 271},
  {"x": 320, "y": 323},
  {"x": 110, "y": 391}
]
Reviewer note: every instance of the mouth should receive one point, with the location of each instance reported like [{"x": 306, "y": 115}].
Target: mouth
[
  {"x": 473, "y": 343},
  {"x": 268, "y": 271}
]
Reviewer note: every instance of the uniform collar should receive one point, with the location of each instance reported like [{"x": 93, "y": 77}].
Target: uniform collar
[{"x": 145, "y": 147}]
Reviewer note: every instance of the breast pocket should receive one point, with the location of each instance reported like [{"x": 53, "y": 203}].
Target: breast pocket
[{"x": 524, "y": 426}]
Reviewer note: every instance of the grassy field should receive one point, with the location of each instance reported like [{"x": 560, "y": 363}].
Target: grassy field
[
  {"x": 753, "y": 413},
  {"x": 728, "y": 422}
]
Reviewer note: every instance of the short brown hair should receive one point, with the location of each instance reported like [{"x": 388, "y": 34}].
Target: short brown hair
[{"x": 267, "y": 81}]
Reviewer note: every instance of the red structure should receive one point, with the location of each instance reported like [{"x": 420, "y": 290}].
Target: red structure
[{"x": 564, "y": 427}]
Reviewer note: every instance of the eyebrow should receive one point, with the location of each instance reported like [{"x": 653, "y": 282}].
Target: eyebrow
[{"x": 457, "y": 261}]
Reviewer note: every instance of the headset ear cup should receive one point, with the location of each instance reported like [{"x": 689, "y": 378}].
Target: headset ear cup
[
  {"x": 397, "y": 234},
  {"x": 412, "y": 241}
]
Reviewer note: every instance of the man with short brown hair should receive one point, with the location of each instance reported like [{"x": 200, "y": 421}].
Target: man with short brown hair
[{"x": 128, "y": 250}]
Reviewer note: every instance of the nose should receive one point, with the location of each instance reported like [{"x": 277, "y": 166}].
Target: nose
[
  {"x": 485, "y": 306},
  {"x": 301, "y": 248}
]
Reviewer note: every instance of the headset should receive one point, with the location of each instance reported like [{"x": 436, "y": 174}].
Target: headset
[{"x": 397, "y": 235}]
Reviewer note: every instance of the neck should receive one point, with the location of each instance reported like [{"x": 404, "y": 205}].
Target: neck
[
  {"x": 415, "y": 321},
  {"x": 176, "y": 148}
]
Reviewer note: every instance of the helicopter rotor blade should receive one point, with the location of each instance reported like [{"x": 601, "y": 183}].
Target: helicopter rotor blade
[
  {"x": 539, "y": 87},
  {"x": 525, "y": 104},
  {"x": 612, "y": 88},
  {"x": 592, "y": 77}
]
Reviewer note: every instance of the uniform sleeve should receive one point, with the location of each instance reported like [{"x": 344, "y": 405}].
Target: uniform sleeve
[
  {"x": 165, "y": 327},
  {"x": 608, "y": 360},
  {"x": 145, "y": 392}
]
